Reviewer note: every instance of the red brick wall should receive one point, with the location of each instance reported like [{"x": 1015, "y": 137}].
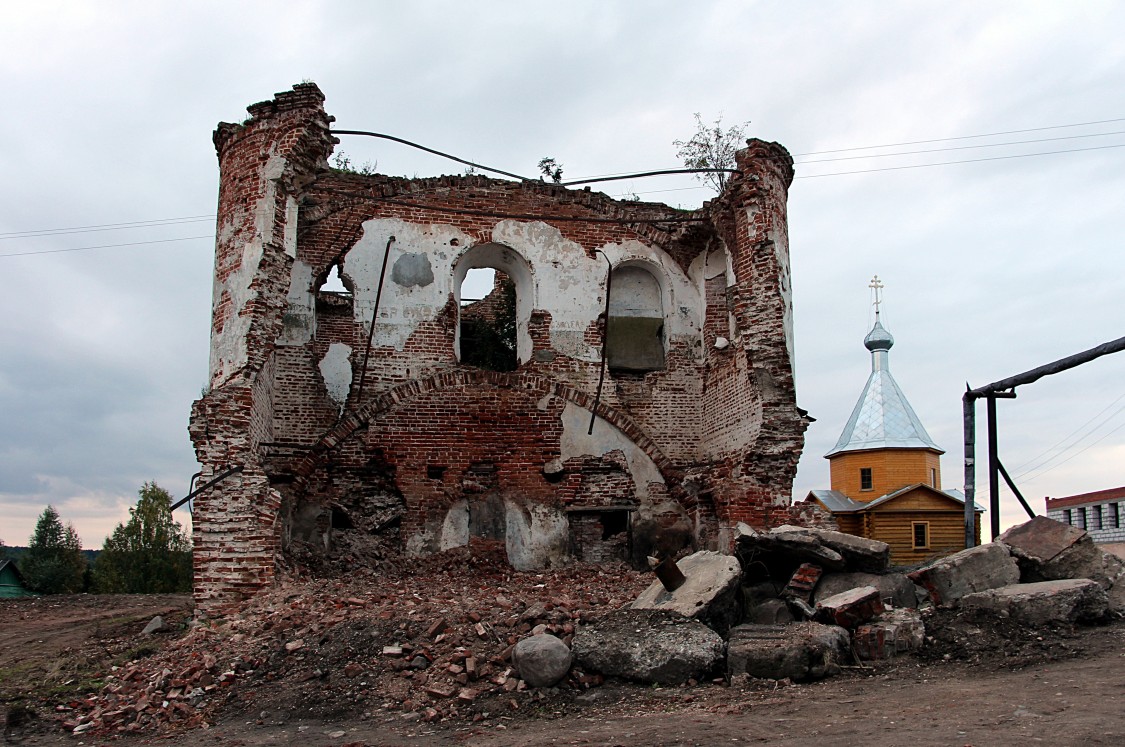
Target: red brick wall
[{"x": 720, "y": 426}]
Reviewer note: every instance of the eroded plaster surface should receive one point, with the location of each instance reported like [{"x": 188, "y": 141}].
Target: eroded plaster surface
[{"x": 336, "y": 372}]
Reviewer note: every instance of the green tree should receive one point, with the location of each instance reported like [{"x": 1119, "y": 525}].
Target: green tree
[
  {"x": 54, "y": 562},
  {"x": 551, "y": 169},
  {"x": 711, "y": 147},
  {"x": 149, "y": 554}
]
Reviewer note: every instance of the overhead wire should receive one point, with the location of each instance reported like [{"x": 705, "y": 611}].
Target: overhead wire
[
  {"x": 1033, "y": 463},
  {"x": 155, "y": 223},
  {"x": 104, "y": 246}
]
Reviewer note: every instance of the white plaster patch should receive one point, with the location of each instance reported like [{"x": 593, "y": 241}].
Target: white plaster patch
[
  {"x": 576, "y": 442},
  {"x": 336, "y": 371},
  {"x": 290, "y": 239},
  {"x": 415, "y": 303},
  {"x": 300, "y": 315},
  {"x": 228, "y": 345},
  {"x": 536, "y": 536},
  {"x": 455, "y": 527}
]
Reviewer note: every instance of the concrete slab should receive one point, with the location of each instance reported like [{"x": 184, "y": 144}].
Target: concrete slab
[
  {"x": 1040, "y": 539},
  {"x": 710, "y": 594},
  {"x": 975, "y": 569},
  {"x": 1064, "y": 600},
  {"x": 859, "y": 553}
]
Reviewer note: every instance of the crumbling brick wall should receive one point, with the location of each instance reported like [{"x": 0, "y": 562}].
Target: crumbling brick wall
[{"x": 320, "y": 422}]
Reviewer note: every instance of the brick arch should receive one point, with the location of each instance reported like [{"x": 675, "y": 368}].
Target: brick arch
[{"x": 355, "y": 420}]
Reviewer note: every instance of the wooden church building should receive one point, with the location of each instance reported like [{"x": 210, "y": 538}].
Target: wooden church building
[{"x": 886, "y": 471}]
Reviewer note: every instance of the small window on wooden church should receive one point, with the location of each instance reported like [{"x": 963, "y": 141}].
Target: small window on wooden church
[
  {"x": 933, "y": 477},
  {"x": 921, "y": 535},
  {"x": 635, "y": 328},
  {"x": 865, "y": 478}
]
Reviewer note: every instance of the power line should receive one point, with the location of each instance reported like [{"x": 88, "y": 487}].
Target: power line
[
  {"x": 962, "y": 147},
  {"x": 1072, "y": 456},
  {"x": 1033, "y": 463},
  {"x": 105, "y": 227},
  {"x": 968, "y": 160},
  {"x": 105, "y": 246},
  {"x": 961, "y": 137}
]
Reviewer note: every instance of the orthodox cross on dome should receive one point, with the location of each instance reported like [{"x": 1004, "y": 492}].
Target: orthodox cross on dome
[{"x": 876, "y": 286}]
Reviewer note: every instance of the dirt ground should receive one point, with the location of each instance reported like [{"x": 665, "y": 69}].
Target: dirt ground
[{"x": 977, "y": 682}]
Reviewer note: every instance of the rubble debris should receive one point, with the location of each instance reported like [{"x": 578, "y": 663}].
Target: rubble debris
[
  {"x": 975, "y": 569},
  {"x": 648, "y": 646},
  {"x": 801, "y": 651},
  {"x": 1041, "y": 602},
  {"x": 542, "y": 660},
  {"x": 709, "y": 594},
  {"x": 892, "y": 633},
  {"x": 850, "y": 608},
  {"x": 769, "y": 612},
  {"x": 894, "y": 588},
  {"x": 789, "y": 547},
  {"x": 803, "y": 581},
  {"x": 1047, "y": 550},
  {"x": 155, "y": 625},
  {"x": 859, "y": 553}
]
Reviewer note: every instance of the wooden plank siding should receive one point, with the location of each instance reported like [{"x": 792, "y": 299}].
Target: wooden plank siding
[
  {"x": 891, "y": 470},
  {"x": 896, "y": 528}
]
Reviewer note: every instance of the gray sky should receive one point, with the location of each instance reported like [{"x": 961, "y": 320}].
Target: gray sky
[{"x": 991, "y": 268}]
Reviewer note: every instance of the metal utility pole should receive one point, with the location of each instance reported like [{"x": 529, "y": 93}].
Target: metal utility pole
[{"x": 1005, "y": 389}]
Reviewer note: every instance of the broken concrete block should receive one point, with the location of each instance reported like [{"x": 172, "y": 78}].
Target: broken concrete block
[
  {"x": 802, "y": 651},
  {"x": 649, "y": 646},
  {"x": 894, "y": 632},
  {"x": 710, "y": 594},
  {"x": 794, "y": 547},
  {"x": 850, "y": 608},
  {"x": 894, "y": 588},
  {"x": 542, "y": 660},
  {"x": 1047, "y": 550},
  {"x": 770, "y": 612},
  {"x": 1063, "y": 600},
  {"x": 859, "y": 553},
  {"x": 975, "y": 569}
]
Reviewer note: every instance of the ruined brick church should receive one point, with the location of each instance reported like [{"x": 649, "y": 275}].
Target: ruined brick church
[{"x": 545, "y": 415}]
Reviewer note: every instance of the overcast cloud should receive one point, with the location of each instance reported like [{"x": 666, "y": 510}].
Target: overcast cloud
[{"x": 991, "y": 268}]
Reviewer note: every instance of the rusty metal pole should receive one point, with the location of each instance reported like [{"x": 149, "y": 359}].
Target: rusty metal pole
[
  {"x": 969, "y": 417},
  {"x": 993, "y": 472},
  {"x": 605, "y": 341}
]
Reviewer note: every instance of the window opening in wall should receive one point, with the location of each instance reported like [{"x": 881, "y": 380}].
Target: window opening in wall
[
  {"x": 340, "y": 519},
  {"x": 865, "y": 482},
  {"x": 1068, "y": 516},
  {"x": 334, "y": 283},
  {"x": 1081, "y": 511},
  {"x": 614, "y": 523},
  {"x": 933, "y": 477},
  {"x": 1115, "y": 512},
  {"x": 921, "y": 533},
  {"x": 488, "y": 320},
  {"x": 1096, "y": 515},
  {"x": 635, "y": 328}
]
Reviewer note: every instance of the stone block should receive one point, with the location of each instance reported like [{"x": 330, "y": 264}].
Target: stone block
[
  {"x": 850, "y": 608},
  {"x": 892, "y": 633},
  {"x": 974, "y": 569},
  {"x": 859, "y": 553},
  {"x": 895, "y": 589},
  {"x": 649, "y": 646},
  {"x": 802, "y": 651},
  {"x": 770, "y": 612},
  {"x": 1063, "y": 600},
  {"x": 793, "y": 547},
  {"x": 710, "y": 594}
]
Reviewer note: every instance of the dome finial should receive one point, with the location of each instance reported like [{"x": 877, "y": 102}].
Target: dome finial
[{"x": 878, "y": 339}]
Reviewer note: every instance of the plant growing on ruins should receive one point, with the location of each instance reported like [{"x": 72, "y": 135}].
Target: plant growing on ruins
[
  {"x": 551, "y": 169},
  {"x": 342, "y": 162},
  {"x": 712, "y": 147},
  {"x": 149, "y": 554},
  {"x": 54, "y": 563}
]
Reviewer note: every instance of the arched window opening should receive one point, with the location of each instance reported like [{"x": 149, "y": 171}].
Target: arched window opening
[
  {"x": 635, "y": 328},
  {"x": 333, "y": 283},
  {"x": 488, "y": 320}
]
